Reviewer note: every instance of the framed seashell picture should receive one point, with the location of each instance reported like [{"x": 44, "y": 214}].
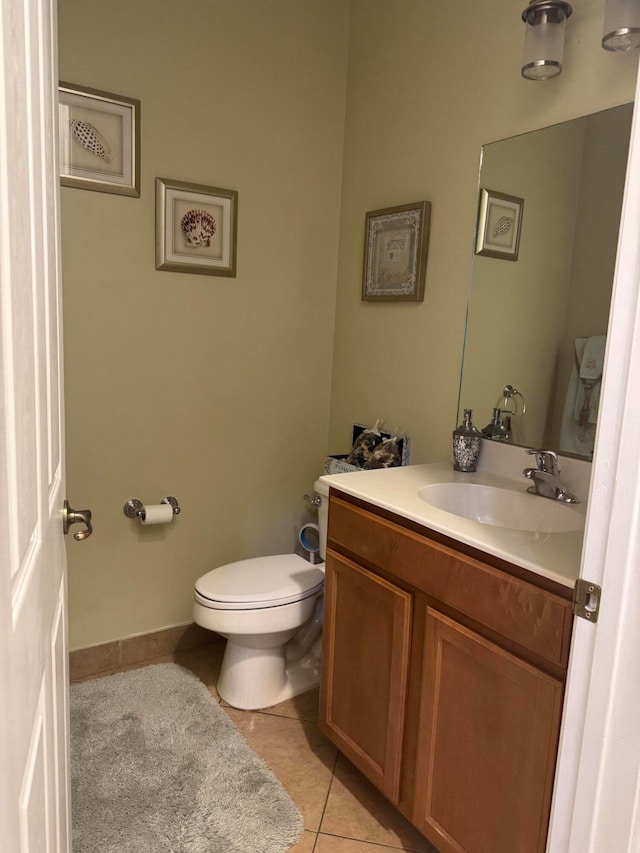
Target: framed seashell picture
[
  {"x": 196, "y": 228},
  {"x": 499, "y": 225},
  {"x": 99, "y": 140}
]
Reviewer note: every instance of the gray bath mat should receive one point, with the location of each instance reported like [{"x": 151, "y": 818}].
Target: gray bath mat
[{"x": 156, "y": 765}]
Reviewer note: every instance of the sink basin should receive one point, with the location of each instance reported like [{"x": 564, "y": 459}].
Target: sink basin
[{"x": 504, "y": 507}]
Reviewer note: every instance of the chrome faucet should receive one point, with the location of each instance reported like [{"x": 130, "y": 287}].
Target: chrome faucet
[{"x": 546, "y": 478}]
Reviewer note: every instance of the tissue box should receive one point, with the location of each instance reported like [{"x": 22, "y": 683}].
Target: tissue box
[{"x": 335, "y": 464}]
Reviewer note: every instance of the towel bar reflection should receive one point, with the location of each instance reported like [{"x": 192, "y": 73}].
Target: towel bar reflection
[
  {"x": 134, "y": 508},
  {"x": 510, "y": 393}
]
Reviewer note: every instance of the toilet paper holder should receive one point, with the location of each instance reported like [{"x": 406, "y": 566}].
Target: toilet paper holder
[{"x": 134, "y": 508}]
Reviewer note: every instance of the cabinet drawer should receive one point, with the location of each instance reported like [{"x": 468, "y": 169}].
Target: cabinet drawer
[{"x": 533, "y": 618}]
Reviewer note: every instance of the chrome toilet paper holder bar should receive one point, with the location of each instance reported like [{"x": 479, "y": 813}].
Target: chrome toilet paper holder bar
[{"x": 134, "y": 508}]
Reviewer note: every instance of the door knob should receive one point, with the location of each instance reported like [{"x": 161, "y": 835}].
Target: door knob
[{"x": 76, "y": 516}]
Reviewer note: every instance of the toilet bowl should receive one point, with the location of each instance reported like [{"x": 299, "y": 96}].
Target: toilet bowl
[{"x": 270, "y": 611}]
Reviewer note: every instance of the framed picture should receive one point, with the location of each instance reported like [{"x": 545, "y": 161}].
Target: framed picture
[
  {"x": 395, "y": 253},
  {"x": 499, "y": 225},
  {"x": 99, "y": 140},
  {"x": 195, "y": 228}
]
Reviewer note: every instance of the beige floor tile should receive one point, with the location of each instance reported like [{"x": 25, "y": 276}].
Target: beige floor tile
[
  {"x": 299, "y": 755},
  {"x": 147, "y": 646},
  {"x": 94, "y": 676},
  {"x": 335, "y": 844},
  {"x": 204, "y": 662},
  {"x": 126, "y": 668},
  {"x": 305, "y": 845},
  {"x": 129, "y": 667},
  {"x": 94, "y": 661},
  {"x": 355, "y": 809},
  {"x": 157, "y": 643},
  {"x": 303, "y": 707}
]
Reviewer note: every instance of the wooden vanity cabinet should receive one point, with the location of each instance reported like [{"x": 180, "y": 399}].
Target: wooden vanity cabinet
[{"x": 442, "y": 681}]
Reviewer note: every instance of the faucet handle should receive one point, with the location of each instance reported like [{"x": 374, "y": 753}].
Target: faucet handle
[{"x": 546, "y": 460}]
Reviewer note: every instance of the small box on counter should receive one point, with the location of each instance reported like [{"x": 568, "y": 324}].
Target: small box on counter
[{"x": 371, "y": 447}]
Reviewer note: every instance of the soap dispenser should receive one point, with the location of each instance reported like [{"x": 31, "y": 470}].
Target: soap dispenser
[
  {"x": 496, "y": 430},
  {"x": 466, "y": 444}
]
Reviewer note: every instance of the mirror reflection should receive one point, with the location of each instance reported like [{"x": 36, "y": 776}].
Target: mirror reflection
[{"x": 538, "y": 324}]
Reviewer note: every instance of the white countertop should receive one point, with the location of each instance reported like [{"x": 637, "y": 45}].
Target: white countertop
[{"x": 553, "y": 555}]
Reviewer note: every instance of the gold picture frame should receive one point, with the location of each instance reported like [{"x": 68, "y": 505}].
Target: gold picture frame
[
  {"x": 499, "y": 225},
  {"x": 99, "y": 140},
  {"x": 395, "y": 253},
  {"x": 196, "y": 228}
]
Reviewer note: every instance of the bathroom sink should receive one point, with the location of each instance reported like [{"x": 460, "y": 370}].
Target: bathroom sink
[{"x": 504, "y": 507}]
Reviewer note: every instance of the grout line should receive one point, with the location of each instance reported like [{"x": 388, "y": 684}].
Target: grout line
[
  {"x": 267, "y": 713},
  {"x": 326, "y": 800},
  {"x": 364, "y": 841}
]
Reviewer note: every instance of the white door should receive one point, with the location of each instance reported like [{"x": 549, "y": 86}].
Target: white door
[
  {"x": 596, "y": 805},
  {"x": 34, "y": 740}
]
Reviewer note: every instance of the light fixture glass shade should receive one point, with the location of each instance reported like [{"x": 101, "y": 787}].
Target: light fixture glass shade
[
  {"x": 621, "y": 25},
  {"x": 544, "y": 38}
]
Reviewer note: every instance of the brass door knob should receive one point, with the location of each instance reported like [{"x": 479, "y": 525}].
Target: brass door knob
[{"x": 76, "y": 516}]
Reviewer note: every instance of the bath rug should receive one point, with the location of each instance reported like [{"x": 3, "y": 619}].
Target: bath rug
[{"x": 157, "y": 765}]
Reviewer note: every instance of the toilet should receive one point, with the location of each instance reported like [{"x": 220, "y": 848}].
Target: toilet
[{"x": 270, "y": 611}]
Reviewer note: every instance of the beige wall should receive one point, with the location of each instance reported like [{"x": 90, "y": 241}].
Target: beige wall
[
  {"x": 211, "y": 389},
  {"x": 218, "y": 390},
  {"x": 428, "y": 85}
]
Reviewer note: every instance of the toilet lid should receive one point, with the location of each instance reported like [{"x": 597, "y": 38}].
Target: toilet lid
[{"x": 259, "y": 582}]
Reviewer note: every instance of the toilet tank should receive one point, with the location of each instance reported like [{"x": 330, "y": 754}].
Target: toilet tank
[{"x": 322, "y": 491}]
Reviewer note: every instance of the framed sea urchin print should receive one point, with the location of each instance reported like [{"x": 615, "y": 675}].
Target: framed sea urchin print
[
  {"x": 195, "y": 228},
  {"x": 99, "y": 140},
  {"x": 499, "y": 225}
]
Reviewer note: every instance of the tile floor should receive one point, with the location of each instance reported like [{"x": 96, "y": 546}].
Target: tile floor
[{"x": 343, "y": 812}]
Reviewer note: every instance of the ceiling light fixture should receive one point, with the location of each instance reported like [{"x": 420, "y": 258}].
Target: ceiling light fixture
[
  {"x": 544, "y": 33},
  {"x": 544, "y": 38},
  {"x": 621, "y": 25}
]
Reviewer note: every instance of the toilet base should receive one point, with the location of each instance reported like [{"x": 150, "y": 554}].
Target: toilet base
[{"x": 251, "y": 679}]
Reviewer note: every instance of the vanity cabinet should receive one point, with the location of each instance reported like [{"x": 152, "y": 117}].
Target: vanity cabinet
[{"x": 442, "y": 679}]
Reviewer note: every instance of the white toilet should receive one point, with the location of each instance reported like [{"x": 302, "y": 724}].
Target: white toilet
[{"x": 270, "y": 611}]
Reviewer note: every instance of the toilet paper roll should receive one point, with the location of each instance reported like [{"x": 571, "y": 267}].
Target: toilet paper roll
[
  {"x": 157, "y": 514},
  {"x": 309, "y": 537}
]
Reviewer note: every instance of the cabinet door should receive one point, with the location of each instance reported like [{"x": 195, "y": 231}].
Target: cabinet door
[
  {"x": 365, "y": 659},
  {"x": 487, "y": 742}
]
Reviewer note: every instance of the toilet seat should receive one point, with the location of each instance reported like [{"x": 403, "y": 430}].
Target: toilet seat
[{"x": 259, "y": 582}]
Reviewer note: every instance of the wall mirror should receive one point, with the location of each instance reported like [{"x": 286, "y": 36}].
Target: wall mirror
[{"x": 538, "y": 323}]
